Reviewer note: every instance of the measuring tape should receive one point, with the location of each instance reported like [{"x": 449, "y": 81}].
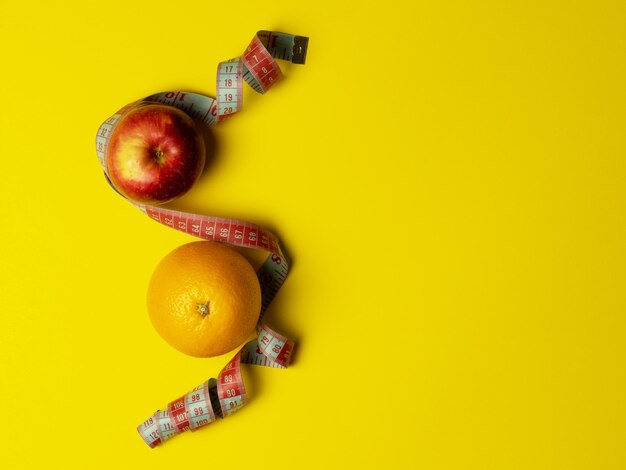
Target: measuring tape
[{"x": 226, "y": 394}]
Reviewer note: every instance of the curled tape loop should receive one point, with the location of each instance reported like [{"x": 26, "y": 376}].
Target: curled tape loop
[{"x": 222, "y": 396}]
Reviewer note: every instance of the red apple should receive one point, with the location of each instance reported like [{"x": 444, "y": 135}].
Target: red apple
[{"x": 156, "y": 153}]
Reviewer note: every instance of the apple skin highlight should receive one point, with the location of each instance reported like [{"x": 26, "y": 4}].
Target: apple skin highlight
[{"x": 156, "y": 154}]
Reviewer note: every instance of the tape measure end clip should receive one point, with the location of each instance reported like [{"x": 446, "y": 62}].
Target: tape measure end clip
[{"x": 300, "y": 45}]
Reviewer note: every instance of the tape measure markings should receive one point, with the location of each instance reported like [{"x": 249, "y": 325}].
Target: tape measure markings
[
  {"x": 232, "y": 231},
  {"x": 165, "y": 426},
  {"x": 177, "y": 410},
  {"x": 249, "y": 79},
  {"x": 200, "y": 107},
  {"x": 260, "y": 64},
  {"x": 229, "y": 89},
  {"x": 149, "y": 431},
  {"x": 222, "y": 396},
  {"x": 252, "y": 354},
  {"x": 285, "y": 46},
  {"x": 275, "y": 346},
  {"x": 199, "y": 407},
  {"x": 272, "y": 275},
  {"x": 103, "y": 136},
  {"x": 230, "y": 387}
]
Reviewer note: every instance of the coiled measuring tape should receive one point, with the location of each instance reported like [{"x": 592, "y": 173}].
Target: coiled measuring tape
[{"x": 222, "y": 396}]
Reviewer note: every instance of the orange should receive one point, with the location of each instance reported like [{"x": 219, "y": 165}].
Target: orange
[{"x": 204, "y": 299}]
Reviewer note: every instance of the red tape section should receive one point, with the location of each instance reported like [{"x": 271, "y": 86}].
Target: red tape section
[{"x": 223, "y": 396}]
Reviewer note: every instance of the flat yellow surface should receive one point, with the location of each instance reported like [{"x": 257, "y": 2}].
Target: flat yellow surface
[{"x": 448, "y": 179}]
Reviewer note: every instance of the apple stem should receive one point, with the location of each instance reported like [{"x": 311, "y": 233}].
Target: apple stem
[
  {"x": 203, "y": 309},
  {"x": 158, "y": 155}
]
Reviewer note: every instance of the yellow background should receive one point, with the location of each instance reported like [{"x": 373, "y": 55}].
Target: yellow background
[{"x": 448, "y": 178}]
